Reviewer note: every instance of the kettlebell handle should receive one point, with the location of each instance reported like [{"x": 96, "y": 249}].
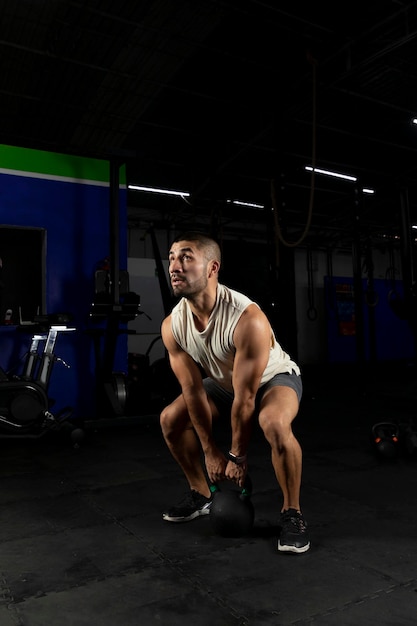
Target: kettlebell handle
[
  {"x": 246, "y": 491},
  {"x": 384, "y": 429}
]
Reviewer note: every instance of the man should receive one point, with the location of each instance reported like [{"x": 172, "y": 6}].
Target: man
[{"x": 225, "y": 334}]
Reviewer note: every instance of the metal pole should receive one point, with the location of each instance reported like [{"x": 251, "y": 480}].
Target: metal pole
[
  {"x": 114, "y": 229},
  {"x": 357, "y": 282}
]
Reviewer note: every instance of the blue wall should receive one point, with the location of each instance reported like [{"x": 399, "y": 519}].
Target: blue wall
[
  {"x": 75, "y": 215},
  {"x": 394, "y": 339}
]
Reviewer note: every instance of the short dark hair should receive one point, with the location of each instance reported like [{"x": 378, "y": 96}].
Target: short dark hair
[{"x": 210, "y": 245}]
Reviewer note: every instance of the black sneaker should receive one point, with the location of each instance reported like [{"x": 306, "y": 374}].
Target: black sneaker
[
  {"x": 294, "y": 536},
  {"x": 191, "y": 506}
]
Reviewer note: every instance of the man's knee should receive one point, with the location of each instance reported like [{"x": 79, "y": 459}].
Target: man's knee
[
  {"x": 173, "y": 417},
  {"x": 276, "y": 425},
  {"x": 167, "y": 418}
]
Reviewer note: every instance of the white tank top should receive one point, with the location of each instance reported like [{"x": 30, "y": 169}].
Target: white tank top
[{"x": 213, "y": 348}]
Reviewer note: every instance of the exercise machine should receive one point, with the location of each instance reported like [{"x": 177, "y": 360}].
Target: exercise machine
[
  {"x": 112, "y": 316},
  {"x": 25, "y": 407}
]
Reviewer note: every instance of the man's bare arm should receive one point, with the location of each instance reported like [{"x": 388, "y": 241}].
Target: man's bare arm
[
  {"x": 253, "y": 342},
  {"x": 189, "y": 378}
]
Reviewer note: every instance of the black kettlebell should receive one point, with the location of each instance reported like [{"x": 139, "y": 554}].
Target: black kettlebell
[
  {"x": 385, "y": 436},
  {"x": 232, "y": 513}
]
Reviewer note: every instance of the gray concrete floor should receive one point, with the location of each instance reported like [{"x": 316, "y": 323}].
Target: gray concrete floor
[{"x": 82, "y": 540}]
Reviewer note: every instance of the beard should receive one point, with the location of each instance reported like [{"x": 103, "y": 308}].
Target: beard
[{"x": 189, "y": 289}]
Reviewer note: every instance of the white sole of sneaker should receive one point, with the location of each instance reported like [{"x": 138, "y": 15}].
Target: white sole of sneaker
[
  {"x": 293, "y": 549},
  {"x": 179, "y": 520}
]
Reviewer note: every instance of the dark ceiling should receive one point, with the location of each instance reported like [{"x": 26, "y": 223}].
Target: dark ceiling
[{"x": 222, "y": 99}]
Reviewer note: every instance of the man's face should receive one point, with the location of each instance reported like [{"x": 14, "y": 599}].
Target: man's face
[{"x": 187, "y": 269}]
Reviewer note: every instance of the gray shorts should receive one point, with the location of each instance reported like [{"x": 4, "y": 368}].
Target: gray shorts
[{"x": 223, "y": 399}]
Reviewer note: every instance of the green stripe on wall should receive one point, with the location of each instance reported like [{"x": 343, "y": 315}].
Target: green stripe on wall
[{"x": 55, "y": 164}]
